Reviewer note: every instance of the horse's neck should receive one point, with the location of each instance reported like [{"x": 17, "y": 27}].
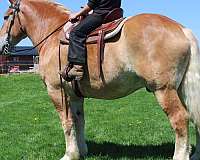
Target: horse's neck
[{"x": 41, "y": 20}]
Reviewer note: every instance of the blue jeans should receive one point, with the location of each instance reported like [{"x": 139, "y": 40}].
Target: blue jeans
[{"x": 77, "y": 38}]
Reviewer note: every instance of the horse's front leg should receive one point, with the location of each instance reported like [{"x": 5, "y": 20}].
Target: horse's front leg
[
  {"x": 178, "y": 116},
  {"x": 71, "y": 114}
]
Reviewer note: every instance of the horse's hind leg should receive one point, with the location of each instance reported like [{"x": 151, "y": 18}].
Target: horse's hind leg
[
  {"x": 196, "y": 155},
  {"x": 178, "y": 116},
  {"x": 73, "y": 124}
]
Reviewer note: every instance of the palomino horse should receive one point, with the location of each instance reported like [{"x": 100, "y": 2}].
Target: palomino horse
[{"x": 152, "y": 51}]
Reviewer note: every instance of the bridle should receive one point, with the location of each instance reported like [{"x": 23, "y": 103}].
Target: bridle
[{"x": 15, "y": 12}]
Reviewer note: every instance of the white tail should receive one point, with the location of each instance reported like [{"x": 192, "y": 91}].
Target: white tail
[{"x": 190, "y": 88}]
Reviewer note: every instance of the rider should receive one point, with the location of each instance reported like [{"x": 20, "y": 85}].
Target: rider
[{"x": 78, "y": 36}]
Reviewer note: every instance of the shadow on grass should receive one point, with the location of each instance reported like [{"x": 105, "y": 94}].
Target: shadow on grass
[{"x": 113, "y": 150}]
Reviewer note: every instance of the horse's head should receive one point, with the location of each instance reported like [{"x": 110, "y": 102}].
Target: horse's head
[{"x": 12, "y": 31}]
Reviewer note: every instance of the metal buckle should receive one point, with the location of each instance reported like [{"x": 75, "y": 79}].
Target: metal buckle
[{"x": 6, "y": 48}]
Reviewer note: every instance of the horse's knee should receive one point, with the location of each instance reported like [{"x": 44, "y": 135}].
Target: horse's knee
[
  {"x": 175, "y": 110},
  {"x": 67, "y": 126},
  {"x": 179, "y": 121},
  {"x": 57, "y": 98}
]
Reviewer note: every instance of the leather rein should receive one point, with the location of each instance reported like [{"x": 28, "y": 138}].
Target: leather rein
[{"x": 15, "y": 14}]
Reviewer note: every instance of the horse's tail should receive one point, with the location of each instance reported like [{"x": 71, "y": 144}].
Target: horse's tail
[{"x": 190, "y": 86}]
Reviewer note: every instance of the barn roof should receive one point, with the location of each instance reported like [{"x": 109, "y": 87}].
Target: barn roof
[{"x": 22, "y": 51}]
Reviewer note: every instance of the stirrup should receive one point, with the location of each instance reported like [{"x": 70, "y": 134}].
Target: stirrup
[
  {"x": 76, "y": 72},
  {"x": 64, "y": 73}
]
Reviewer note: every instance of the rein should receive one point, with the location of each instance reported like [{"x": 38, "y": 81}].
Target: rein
[
  {"x": 15, "y": 13},
  {"x": 49, "y": 35}
]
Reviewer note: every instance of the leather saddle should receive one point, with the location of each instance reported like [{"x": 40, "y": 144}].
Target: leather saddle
[{"x": 111, "y": 22}]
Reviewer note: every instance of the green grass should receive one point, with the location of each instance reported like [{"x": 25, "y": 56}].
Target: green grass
[{"x": 133, "y": 127}]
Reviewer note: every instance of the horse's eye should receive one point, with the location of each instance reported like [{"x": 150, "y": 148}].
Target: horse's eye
[{"x": 6, "y": 17}]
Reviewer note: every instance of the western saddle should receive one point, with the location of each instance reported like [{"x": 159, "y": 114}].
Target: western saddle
[{"x": 111, "y": 22}]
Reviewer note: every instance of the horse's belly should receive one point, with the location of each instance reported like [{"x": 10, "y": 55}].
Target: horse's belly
[{"x": 118, "y": 87}]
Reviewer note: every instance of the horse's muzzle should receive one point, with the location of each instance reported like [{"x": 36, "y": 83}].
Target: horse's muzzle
[{"x": 3, "y": 42}]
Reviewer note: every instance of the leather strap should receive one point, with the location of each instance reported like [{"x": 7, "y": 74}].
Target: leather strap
[
  {"x": 100, "y": 50},
  {"x": 64, "y": 98}
]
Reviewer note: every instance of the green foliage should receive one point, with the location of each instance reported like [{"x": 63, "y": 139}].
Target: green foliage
[{"x": 133, "y": 127}]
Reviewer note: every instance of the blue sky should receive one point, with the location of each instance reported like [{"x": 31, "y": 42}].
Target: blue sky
[{"x": 185, "y": 12}]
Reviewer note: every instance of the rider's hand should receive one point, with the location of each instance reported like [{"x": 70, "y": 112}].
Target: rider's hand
[{"x": 73, "y": 17}]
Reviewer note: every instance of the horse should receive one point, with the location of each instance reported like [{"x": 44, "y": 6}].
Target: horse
[{"x": 151, "y": 51}]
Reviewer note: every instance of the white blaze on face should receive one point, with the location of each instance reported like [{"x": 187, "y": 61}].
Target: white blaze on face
[{"x": 3, "y": 41}]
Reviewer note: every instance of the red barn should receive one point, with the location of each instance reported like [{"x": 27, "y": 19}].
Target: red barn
[
  {"x": 18, "y": 60},
  {"x": 3, "y": 64}
]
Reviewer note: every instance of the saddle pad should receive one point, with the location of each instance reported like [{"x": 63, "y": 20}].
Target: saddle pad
[{"x": 109, "y": 30}]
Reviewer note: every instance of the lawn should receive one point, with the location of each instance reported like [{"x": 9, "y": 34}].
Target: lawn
[{"x": 130, "y": 128}]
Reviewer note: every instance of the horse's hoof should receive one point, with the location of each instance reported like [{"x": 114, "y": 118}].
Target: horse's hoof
[
  {"x": 65, "y": 158},
  {"x": 71, "y": 157}
]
